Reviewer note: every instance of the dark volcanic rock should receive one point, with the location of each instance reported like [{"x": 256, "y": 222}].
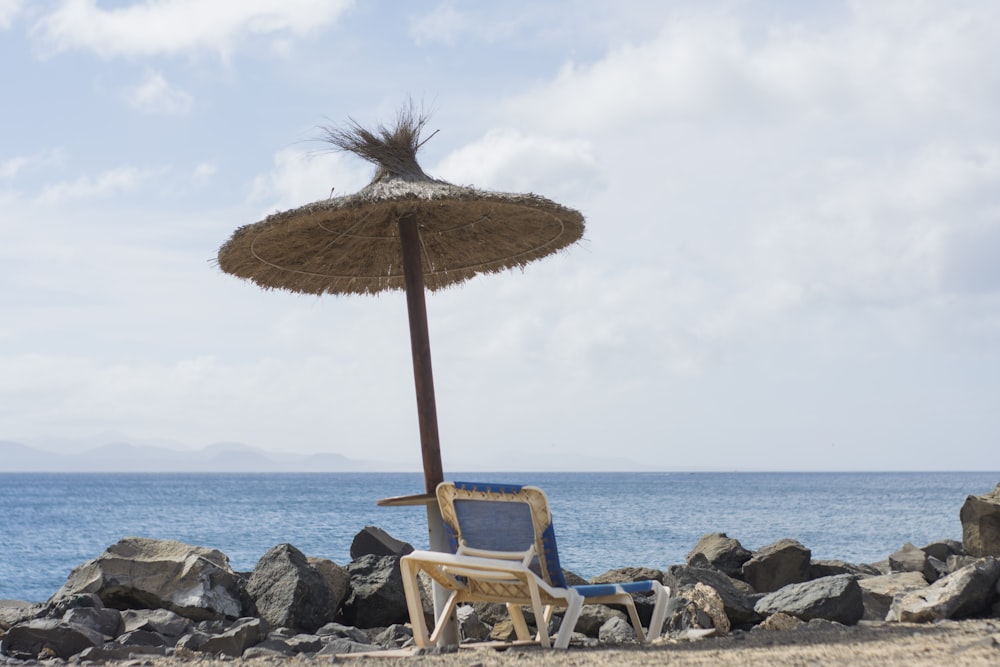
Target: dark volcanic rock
[
  {"x": 968, "y": 592},
  {"x": 377, "y": 599},
  {"x": 777, "y": 565},
  {"x": 288, "y": 591},
  {"x": 721, "y": 552},
  {"x": 835, "y": 598},
  {"x": 372, "y": 541}
]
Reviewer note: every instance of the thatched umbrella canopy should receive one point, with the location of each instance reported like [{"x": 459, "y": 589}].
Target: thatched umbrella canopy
[{"x": 404, "y": 230}]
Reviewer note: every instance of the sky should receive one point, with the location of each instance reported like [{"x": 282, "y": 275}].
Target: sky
[{"x": 791, "y": 259}]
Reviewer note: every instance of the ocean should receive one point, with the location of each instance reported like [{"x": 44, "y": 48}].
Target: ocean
[{"x": 50, "y": 523}]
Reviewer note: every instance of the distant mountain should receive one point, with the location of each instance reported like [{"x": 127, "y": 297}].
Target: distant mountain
[{"x": 218, "y": 457}]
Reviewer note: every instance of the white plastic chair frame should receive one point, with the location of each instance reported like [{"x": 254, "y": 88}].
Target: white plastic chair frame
[{"x": 507, "y": 576}]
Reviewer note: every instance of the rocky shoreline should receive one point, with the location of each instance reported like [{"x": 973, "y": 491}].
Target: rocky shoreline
[{"x": 162, "y": 601}]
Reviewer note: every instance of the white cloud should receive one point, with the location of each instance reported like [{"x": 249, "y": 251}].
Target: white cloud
[
  {"x": 155, "y": 95},
  {"x": 9, "y": 9},
  {"x": 106, "y": 184},
  {"x": 179, "y": 26},
  {"x": 204, "y": 173},
  {"x": 299, "y": 178},
  {"x": 509, "y": 160},
  {"x": 883, "y": 58},
  {"x": 13, "y": 167}
]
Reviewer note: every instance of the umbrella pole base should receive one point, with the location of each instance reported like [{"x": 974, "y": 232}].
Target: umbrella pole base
[{"x": 439, "y": 542}]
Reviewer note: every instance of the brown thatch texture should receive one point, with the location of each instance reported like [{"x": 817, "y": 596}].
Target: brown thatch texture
[{"x": 350, "y": 245}]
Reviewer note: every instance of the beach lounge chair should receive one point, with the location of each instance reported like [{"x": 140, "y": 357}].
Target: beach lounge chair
[{"x": 505, "y": 551}]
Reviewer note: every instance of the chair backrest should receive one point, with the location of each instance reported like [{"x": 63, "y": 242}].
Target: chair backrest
[{"x": 502, "y": 517}]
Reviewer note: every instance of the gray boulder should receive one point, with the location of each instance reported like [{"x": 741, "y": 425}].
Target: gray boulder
[
  {"x": 243, "y": 634},
  {"x": 624, "y": 575},
  {"x": 396, "y": 635},
  {"x": 738, "y": 598},
  {"x": 143, "y": 573},
  {"x": 911, "y": 559},
  {"x": 42, "y": 638},
  {"x": 721, "y": 552},
  {"x": 829, "y": 568},
  {"x": 343, "y": 645},
  {"x": 338, "y": 581},
  {"x": 836, "y": 598},
  {"x": 617, "y": 631},
  {"x": 337, "y": 630},
  {"x": 469, "y": 624},
  {"x": 373, "y": 541},
  {"x": 107, "y": 622},
  {"x": 777, "y": 565},
  {"x": 113, "y": 652},
  {"x": 878, "y": 593},
  {"x": 944, "y": 549},
  {"x": 593, "y": 617},
  {"x": 161, "y": 621},
  {"x": 143, "y": 638},
  {"x": 967, "y": 592},
  {"x": 304, "y": 643},
  {"x": 377, "y": 598},
  {"x": 290, "y": 592},
  {"x": 13, "y": 612},
  {"x": 980, "y": 517}
]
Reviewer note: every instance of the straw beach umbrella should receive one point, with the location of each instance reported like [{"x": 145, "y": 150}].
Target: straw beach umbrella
[{"x": 403, "y": 231}]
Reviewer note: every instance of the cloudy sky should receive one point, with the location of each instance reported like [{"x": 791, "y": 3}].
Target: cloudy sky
[{"x": 792, "y": 255}]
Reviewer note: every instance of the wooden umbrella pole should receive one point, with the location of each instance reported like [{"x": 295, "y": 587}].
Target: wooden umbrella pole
[{"x": 423, "y": 377}]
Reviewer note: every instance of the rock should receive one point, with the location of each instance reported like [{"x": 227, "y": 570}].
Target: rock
[
  {"x": 720, "y": 552},
  {"x": 469, "y": 624},
  {"x": 593, "y": 616},
  {"x": 13, "y": 612},
  {"x": 944, "y": 549},
  {"x": 836, "y": 598},
  {"x": 342, "y": 645},
  {"x": 980, "y": 517},
  {"x": 573, "y": 579},
  {"x": 777, "y": 565},
  {"x": 967, "y": 592},
  {"x": 709, "y": 602},
  {"x": 617, "y": 631},
  {"x": 162, "y": 621},
  {"x": 107, "y": 622},
  {"x": 111, "y": 652},
  {"x": 142, "y": 573},
  {"x": 243, "y": 634},
  {"x": 42, "y": 637},
  {"x": 624, "y": 575},
  {"x": 396, "y": 635},
  {"x": 336, "y": 630},
  {"x": 338, "y": 581},
  {"x": 372, "y": 541},
  {"x": 142, "y": 638},
  {"x": 829, "y": 568},
  {"x": 738, "y": 597},
  {"x": 376, "y": 599},
  {"x": 304, "y": 643},
  {"x": 878, "y": 593},
  {"x": 780, "y": 622},
  {"x": 289, "y": 592},
  {"x": 503, "y": 631},
  {"x": 269, "y": 648},
  {"x": 911, "y": 559}
]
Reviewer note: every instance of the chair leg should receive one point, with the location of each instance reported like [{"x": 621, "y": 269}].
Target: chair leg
[
  {"x": 517, "y": 618},
  {"x": 442, "y": 620},
  {"x": 536, "y": 607},
  {"x": 412, "y": 591},
  {"x": 660, "y": 606},
  {"x": 574, "y": 605}
]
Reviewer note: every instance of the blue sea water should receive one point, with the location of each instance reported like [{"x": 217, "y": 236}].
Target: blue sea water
[{"x": 50, "y": 523}]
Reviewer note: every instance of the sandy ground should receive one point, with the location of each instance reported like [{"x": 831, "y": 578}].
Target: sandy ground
[{"x": 948, "y": 644}]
